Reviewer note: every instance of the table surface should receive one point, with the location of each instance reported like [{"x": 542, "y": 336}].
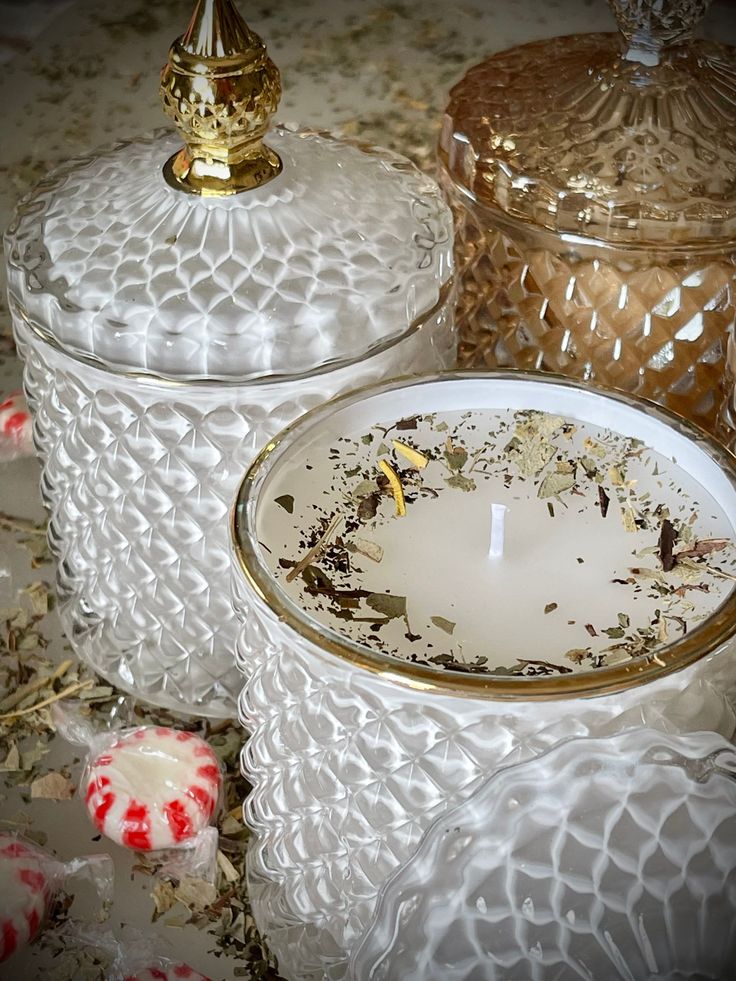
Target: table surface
[{"x": 77, "y": 75}]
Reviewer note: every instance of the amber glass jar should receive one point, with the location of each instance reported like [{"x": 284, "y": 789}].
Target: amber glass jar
[{"x": 593, "y": 180}]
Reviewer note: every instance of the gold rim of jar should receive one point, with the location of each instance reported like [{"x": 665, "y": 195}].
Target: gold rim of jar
[{"x": 703, "y": 640}]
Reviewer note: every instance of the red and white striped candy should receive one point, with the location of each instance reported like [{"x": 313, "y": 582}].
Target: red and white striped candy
[
  {"x": 16, "y": 429},
  {"x": 25, "y": 892},
  {"x": 175, "y": 973},
  {"x": 153, "y": 788}
]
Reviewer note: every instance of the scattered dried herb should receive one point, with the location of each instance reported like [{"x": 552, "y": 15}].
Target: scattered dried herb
[
  {"x": 667, "y": 539},
  {"x": 447, "y": 625},
  {"x": 703, "y": 547},
  {"x": 555, "y": 484},
  {"x": 386, "y": 604},
  {"x": 315, "y": 550},
  {"x": 286, "y": 501},
  {"x": 371, "y": 550},
  {"x": 536, "y": 448},
  {"x": 456, "y": 456},
  {"x": 53, "y": 786}
]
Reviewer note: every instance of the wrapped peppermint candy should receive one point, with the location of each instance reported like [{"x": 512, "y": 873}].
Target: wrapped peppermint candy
[
  {"x": 30, "y": 879},
  {"x": 16, "y": 429},
  {"x": 134, "y": 957},
  {"x": 152, "y": 787}
]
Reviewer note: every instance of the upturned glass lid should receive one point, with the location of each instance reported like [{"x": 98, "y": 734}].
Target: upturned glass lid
[
  {"x": 629, "y": 136},
  {"x": 242, "y": 256}
]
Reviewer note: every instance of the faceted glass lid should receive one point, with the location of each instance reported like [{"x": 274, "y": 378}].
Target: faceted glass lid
[
  {"x": 240, "y": 256},
  {"x": 341, "y": 254},
  {"x": 630, "y": 137}
]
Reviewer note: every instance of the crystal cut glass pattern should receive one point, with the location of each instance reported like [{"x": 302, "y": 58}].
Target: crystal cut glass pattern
[
  {"x": 609, "y": 859},
  {"x": 591, "y": 180},
  {"x": 349, "y": 769},
  {"x": 655, "y": 328},
  {"x": 325, "y": 264},
  {"x": 138, "y": 477},
  {"x": 168, "y": 336}
]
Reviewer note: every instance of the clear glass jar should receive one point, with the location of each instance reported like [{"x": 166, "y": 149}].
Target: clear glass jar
[
  {"x": 571, "y": 866},
  {"x": 591, "y": 179},
  {"x": 355, "y": 751},
  {"x": 175, "y": 308}
]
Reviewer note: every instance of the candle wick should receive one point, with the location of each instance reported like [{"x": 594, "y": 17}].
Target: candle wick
[{"x": 498, "y": 523}]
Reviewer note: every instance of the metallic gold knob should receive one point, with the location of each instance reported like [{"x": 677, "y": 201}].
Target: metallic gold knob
[{"x": 220, "y": 88}]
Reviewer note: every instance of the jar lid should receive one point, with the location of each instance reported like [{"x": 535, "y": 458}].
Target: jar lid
[
  {"x": 229, "y": 259},
  {"x": 629, "y": 137}
]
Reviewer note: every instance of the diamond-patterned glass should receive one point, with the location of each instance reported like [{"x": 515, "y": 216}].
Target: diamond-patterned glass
[
  {"x": 167, "y": 337},
  {"x": 349, "y": 769},
  {"x": 594, "y": 860},
  {"x": 138, "y": 477}
]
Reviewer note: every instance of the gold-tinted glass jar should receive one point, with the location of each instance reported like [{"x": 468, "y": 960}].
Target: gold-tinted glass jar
[{"x": 593, "y": 179}]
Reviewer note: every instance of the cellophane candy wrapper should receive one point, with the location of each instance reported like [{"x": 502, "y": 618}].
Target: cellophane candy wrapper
[
  {"x": 132, "y": 957},
  {"x": 16, "y": 428},
  {"x": 30, "y": 880},
  {"x": 151, "y": 789}
]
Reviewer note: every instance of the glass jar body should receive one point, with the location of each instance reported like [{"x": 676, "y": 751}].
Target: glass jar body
[
  {"x": 138, "y": 476},
  {"x": 592, "y": 860},
  {"x": 349, "y": 769},
  {"x": 654, "y": 322}
]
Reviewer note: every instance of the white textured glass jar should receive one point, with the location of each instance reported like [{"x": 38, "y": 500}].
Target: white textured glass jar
[
  {"x": 490, "y": 896},
  {"x": 175, "y": 308},
  {"x": 356, "y": 749}
]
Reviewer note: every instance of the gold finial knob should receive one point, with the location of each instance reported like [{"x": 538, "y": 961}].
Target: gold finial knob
[{"x": 220, "y": 88}]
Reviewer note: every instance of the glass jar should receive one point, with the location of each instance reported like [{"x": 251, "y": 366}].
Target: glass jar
[
  {"x": 363, "y": 729},
  {"x": 175, "y": 308},
  {"x": 591, "y": 178},
  {"x": 571, "y": 866}
]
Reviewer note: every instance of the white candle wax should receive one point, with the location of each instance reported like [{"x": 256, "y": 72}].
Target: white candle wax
[{"x": 617, "y": 537}]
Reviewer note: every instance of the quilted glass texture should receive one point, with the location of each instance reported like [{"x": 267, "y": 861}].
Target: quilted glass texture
[
  {"x": 609, "y": 859},
  {"x": 138, "y": 477},
  {"x": 651, "y": 324},
  {"x": 327, "y": 263},
  {"x": 349, "y": 769},
  {"x": 592, "y": 184}
]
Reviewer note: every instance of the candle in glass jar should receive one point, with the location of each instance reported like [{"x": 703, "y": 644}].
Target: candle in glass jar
[{"x": 506, "y": 527}]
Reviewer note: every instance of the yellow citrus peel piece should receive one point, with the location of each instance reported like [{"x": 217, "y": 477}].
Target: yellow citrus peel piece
[
  {"x": 417, "y": 459},
  {"x": 395, "y": 484}
]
